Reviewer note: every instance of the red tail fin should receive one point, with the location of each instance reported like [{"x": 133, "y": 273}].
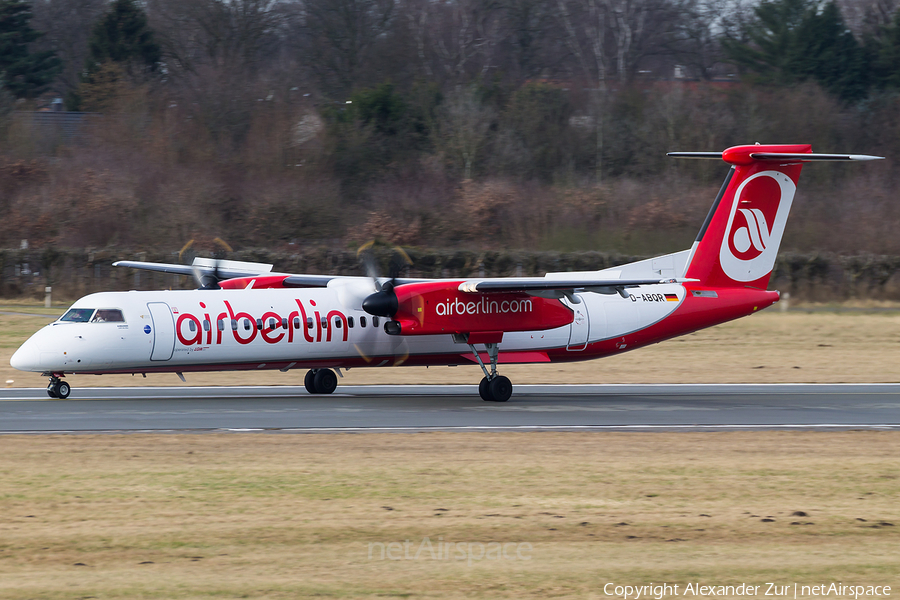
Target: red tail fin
[{"x": 739, "y": 241}]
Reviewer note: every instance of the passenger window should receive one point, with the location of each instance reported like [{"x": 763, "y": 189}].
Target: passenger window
[
  {"x": 220, "y": 324},
  {"x": 284, "y": 322},
  {"x": 337, "y": 322},
  {"x": 296, "y": 322},
  {"x": 106, "y": 315},
  {"x": 362, "y": 321},
  {"x": 205, "y": 325},
  {"x": 247, "y": 324},
  {"x": 77, "y": 315},
  {"x": 350, "y": 322},
  {"x": 374, "y": 321},
  {"x": 192, "y": 326},
  {"x": 272, "y": 324},
  {"x": 324, "y": 323},
  {"x": 309, "y": 322},
  {"x": 259, "y": 324},
  {"x": 234, "y": 324}
]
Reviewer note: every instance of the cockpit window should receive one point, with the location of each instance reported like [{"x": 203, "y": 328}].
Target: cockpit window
[
  {"x": 77, "y": 315},
  {"x": 108, "y": 315}
]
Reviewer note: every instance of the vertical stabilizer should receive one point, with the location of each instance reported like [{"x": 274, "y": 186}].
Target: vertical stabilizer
[{"x": 739, "y": 240}]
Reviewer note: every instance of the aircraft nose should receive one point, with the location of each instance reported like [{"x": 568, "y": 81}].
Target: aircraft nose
[{"x": 26, "y": 358}]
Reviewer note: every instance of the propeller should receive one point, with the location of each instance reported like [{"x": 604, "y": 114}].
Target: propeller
[
  {"x": 206, "y": 280},
  {"x": 383, "y": 303}
]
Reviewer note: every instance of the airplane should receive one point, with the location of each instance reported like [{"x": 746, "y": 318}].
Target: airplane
[{"x": 244, "y": 316}]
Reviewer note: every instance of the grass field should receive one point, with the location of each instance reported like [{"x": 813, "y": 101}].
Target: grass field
[
  {"x": 290, "y": 516},
  {"x": 772, "y": 346}
]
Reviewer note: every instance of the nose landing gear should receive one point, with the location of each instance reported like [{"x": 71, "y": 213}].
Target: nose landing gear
[
  {"x": 58, "y": 388},
  {"x": 320, "y": 381}
]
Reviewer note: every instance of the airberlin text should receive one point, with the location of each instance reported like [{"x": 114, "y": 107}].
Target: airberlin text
[
  {"x": 313, "y": 325},
  {"x": 658, "y": 591},
  {"x": 483, "y": 307}
]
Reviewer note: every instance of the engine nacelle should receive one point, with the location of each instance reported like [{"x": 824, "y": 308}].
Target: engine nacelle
[{"x": 437, "y": 307}]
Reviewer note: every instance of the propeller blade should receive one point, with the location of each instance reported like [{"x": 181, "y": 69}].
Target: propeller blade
[
  {"x": 198, "y": 276},
  {"x": 366, "y": 257},
  {"x": 399, "y": 261}
]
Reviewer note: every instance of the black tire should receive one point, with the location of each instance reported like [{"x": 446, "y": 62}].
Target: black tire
[
  {"x": 51, "y": 390},
  {"x": 62, "y": 390},
  {"x": 325, "y": 381},
  {"x": 500, "y": 388},
  {"x": 310, "y": 381},
  {"x": 483, "y": 389}
]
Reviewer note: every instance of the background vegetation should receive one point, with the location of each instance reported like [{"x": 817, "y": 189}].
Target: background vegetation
[{"x": 486, "y": 124}]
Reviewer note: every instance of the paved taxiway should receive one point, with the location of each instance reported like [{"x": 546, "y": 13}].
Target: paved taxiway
[{"x": 403, "y": 408}]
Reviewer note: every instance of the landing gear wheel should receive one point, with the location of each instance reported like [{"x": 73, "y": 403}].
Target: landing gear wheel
[
  {"x": 58, "y": 389},
  {"x": 325, "y": 381},
  {"x": 483, "y": 389},
  {"x": 309, "y": 381},
  {"x": 63, "y": 390},
  {"x": 500, "y": 388}
]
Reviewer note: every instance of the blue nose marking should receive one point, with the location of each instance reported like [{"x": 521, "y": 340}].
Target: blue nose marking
[{"x": 146, "y": 329}]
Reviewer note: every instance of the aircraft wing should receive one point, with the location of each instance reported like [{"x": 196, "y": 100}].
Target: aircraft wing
[
  {"x": 223, "y": 270},
  {"x": 227, "y": 269},
  {"x": 541, "y": 285}
]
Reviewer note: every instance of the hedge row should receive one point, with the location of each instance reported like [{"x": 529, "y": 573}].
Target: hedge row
[{"x": 74, "y": 273}]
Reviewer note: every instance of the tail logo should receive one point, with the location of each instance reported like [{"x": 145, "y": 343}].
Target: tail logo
[
  {"x": 755, "y": 233},
  {"x": 755, "y": 225}
]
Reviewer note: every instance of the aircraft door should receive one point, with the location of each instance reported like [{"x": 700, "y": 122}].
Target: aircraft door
[
  {"x": 578, "y": 330},
  {"x": 163, "y": 331}
]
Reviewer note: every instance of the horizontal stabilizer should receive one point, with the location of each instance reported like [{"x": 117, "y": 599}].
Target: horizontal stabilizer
[
  {"x": 811, "y": 156},
  {"x": 708, "y": 155},
  {"x": 779, "y": 156}
]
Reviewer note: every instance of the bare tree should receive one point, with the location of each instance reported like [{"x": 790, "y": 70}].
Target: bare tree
[
  {"x": 694, "y": 39},
  {"x": 236, "y": 34},
  {"x": 463, "y": 124},
  {"x": 532, "y": 36},
  {"x": 585, "y": 24},
  {"x": 339, "y": 38},
  {"x": 456, "y": 39}
]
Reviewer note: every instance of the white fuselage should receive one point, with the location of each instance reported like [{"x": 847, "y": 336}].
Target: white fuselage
[{"x": 299, "y": 327}]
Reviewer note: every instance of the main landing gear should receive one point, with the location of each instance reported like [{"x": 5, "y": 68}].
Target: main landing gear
[
  {"x": 493, "y": 387},
  {"x": 320, "y": 381},
  {"x": 58, "y": 388}
]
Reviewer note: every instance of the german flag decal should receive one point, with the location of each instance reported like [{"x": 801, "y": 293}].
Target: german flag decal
[{"x": 671, "y": 297}]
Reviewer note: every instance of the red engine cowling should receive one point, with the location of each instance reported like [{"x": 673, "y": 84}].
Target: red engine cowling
[{"x": 436, "y": 307}]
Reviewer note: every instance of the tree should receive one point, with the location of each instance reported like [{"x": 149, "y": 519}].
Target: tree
[
  {"x": 464, "y": 123},
  {"x": 121, "y": 53},
  {"x": 538, "y": 114},
  {"x": 66, "y": 25},
  {"x": 790, "y": 41},
  {"x": 7, "y": 103},
  {"x": 26, "y": 74},
  {"x": 340, "y": 39},
  {"x": 826, "y": 50},
  {"x": 122, "y": 36},
  {"x": 238, "y": 35},
  {"x": 886, "y": 48}
]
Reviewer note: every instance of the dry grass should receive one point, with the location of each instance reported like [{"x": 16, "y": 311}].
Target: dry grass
[
  {"x": 279, "y": 516},
  {"x": 770, "y": 347}
]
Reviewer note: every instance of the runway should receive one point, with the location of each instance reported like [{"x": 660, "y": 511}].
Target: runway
[{"x": 425, "y": 408}]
